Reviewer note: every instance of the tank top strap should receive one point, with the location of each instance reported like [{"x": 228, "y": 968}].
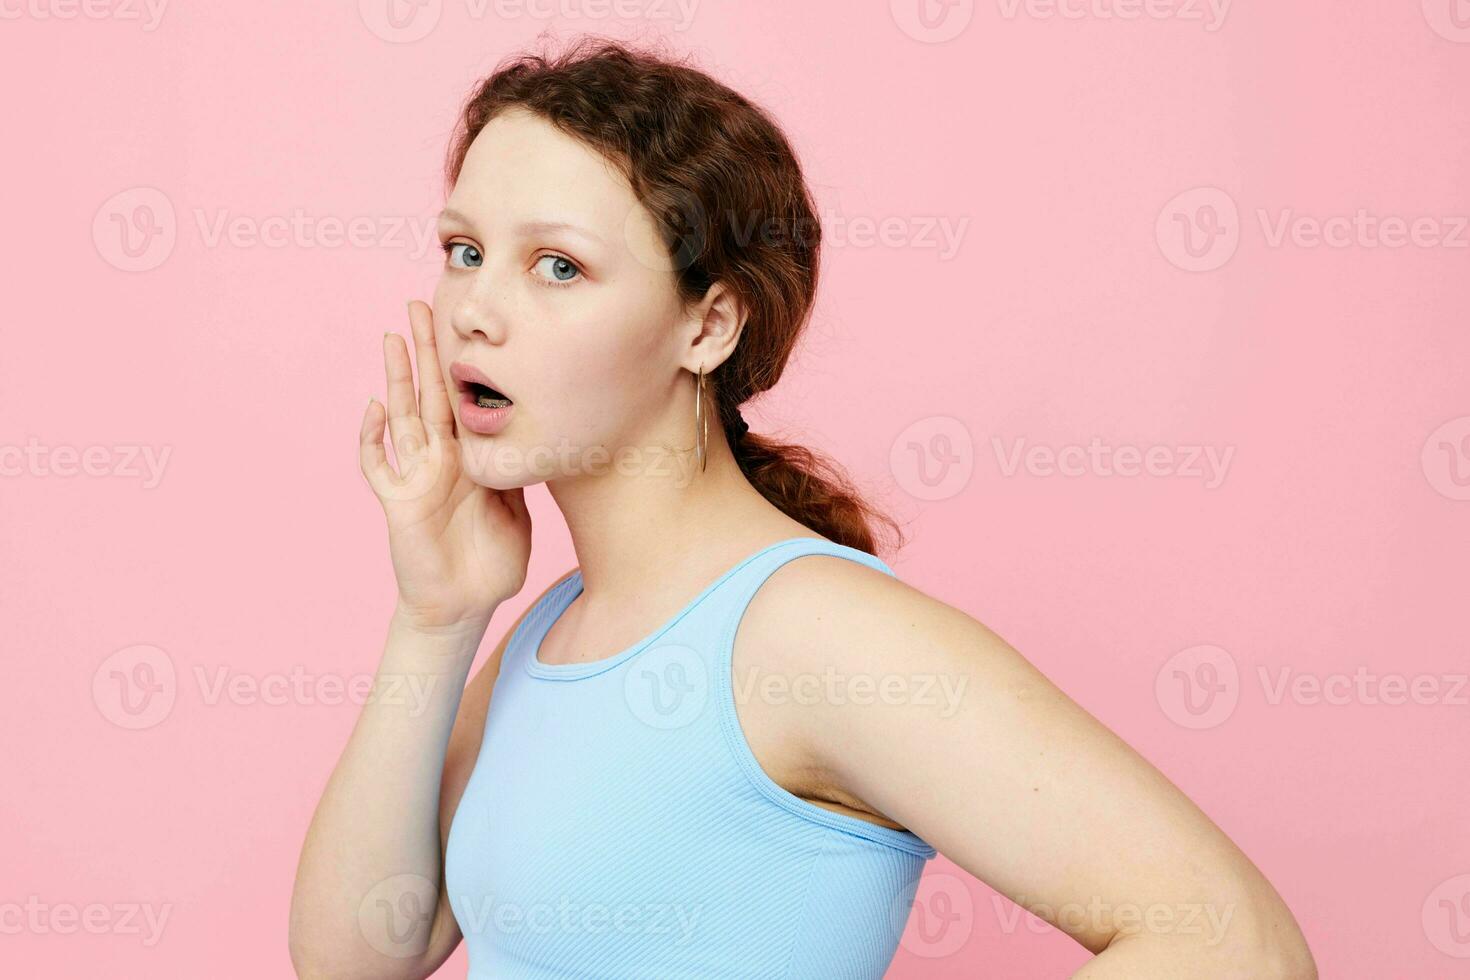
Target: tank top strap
[
  {"x": 709, "y": 618},
  {"x": 538, "y": 619},
  {"x": 721, "y": 606},
  {"x": 626, "y": 785},
  {"x": 735, "y": 596},
  {"x": 752, "y": 573}
]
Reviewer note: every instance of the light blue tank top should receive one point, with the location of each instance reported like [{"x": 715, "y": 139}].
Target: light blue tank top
[{"x": 617, "y": 825}]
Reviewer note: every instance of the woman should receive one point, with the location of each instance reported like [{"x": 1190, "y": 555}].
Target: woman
[{"x": 694, "y": 755}]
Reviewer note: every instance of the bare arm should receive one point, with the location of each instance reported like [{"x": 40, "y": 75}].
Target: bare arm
[
  {"x": 380, "y": 831},
  {"x": 369, "y": 900},
  {"x": 1014, "y": 782},
  {"x": 373, "y": 851}
]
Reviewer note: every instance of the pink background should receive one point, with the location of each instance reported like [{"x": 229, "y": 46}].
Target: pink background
[{"x": 1073, "y": 308}]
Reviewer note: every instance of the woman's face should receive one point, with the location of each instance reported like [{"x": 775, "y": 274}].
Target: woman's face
[{"x": 556, "y": 288}]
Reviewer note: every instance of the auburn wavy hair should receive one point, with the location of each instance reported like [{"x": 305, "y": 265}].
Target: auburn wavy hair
[{"x": 723, "y": 184}]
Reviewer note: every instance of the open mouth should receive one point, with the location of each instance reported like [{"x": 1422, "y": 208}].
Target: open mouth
[
  {"x": 475, "y": 387},
  {"x": 485, "y": 396}
]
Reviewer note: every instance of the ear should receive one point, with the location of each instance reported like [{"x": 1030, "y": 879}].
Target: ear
[{"x": 717, "y": 322}]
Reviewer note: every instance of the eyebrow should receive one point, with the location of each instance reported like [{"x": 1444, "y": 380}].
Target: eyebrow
[{"x": 529, "y": 226}]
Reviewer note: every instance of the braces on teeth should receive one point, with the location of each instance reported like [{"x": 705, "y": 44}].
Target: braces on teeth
[{"x": 484, "y": 400}]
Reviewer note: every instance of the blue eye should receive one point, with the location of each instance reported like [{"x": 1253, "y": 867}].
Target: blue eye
[
  {"x": 463, "y": 255},
  {"x": 561, "y": 270}
]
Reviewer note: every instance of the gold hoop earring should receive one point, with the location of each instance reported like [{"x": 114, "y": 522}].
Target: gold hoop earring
[{"x": 701, "y": 423}]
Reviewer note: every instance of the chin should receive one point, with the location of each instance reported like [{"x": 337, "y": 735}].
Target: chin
[{"x": 487, "y": 461}]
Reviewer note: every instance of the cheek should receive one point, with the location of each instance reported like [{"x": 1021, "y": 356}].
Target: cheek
[
  {"x": 446, "y": 343},
  {"x": 585, "y": 380},
  {"x": 446, "y": 294},
  {"x": 604, "y": 369},
  {"x": 634, "y": 340}
]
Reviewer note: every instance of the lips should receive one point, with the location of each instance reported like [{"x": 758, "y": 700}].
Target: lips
[
  {"x": 478, "y": 386},
  {"x": 483, "y": 407}
]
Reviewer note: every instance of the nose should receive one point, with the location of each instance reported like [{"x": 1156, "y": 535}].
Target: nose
[{"x": 477, "y": 312}]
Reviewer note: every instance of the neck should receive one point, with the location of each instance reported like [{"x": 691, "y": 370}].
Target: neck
[{"x": 632, "y": 526}]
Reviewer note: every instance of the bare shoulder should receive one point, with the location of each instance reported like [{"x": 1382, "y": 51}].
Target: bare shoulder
[
  {"x": 823, "y": 610},
  {"x": 823, "y": 632},
  {"x": 918, "y": 713}
]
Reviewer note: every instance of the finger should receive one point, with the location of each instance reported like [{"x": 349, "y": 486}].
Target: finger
[
  {"x": 403, "y": 410},
  {"x": 372, "y": 457},
  {"x": 434, "y": 406}
]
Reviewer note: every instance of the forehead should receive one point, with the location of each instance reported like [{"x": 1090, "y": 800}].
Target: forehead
[{"x": 521, "y": 164}]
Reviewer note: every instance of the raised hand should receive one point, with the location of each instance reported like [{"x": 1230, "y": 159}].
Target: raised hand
[{"x": 458, "y": 548}]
